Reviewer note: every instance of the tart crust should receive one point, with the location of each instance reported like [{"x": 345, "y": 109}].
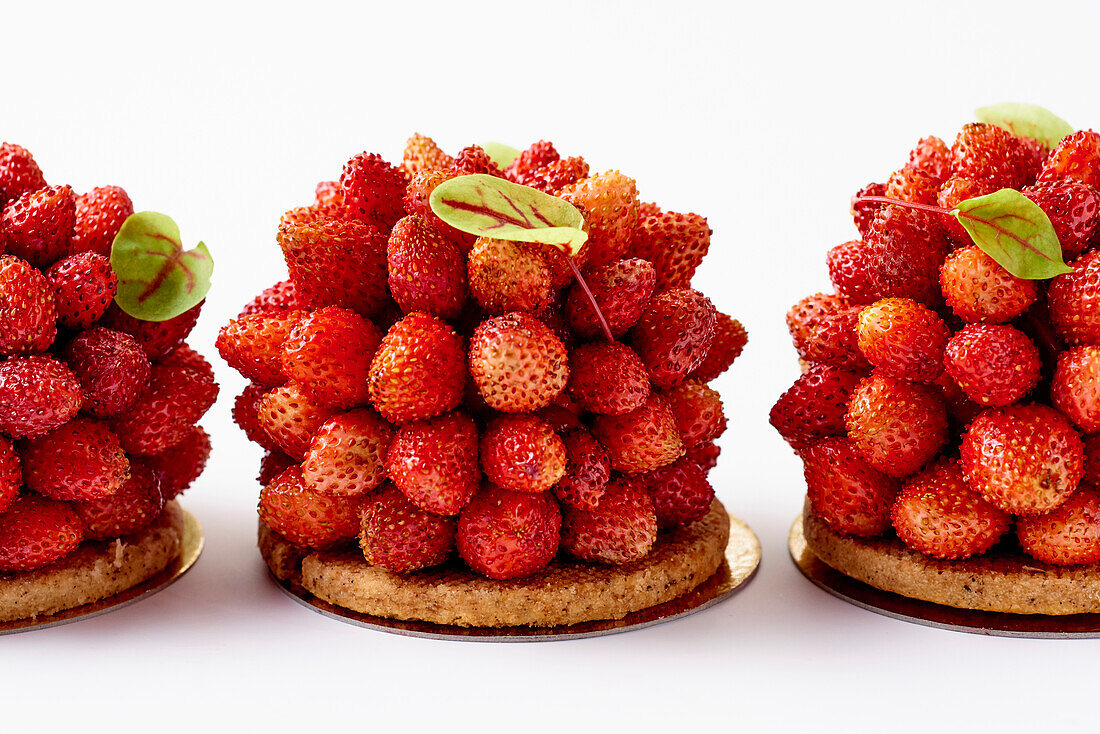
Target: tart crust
[
  {"x": 94, "y": 571},
  {"x": 1000, "y": 581},
  {"x": 565, "y": 593}
]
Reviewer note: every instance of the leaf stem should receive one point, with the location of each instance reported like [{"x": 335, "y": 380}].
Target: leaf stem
[
  {"x": 899, "y": 202},
  {"x": 591, "y": 298}
]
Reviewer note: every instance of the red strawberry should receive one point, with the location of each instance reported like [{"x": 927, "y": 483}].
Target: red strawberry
[
  {"x": 1067, "y": 535},
  {"x": 37, "y": 225},
  {"x": 932, "y": 156},
  {"x": 137, "y": 503},
  {"x": 304, "y": 516},
  {"x": 729, "y": 340},
  {"x": 863, "y": 213},
  {"x": 607, "y": 378},
  {"x": 815, "y": 405},
  {"x": 907, "y": 249},
  {"x": 994, "y": 364},
  {"x": 698, "y": 412},
  {"x": 35, "y": 532},
  {"x": 283, "y": 296},
  {"x": 586, "y": 474},
  {"x": 373, "y": 190},
  {"x": 845, "y": 491},
  {"x": 903, "y": 338},
  {"x": 473, "y": 159},
  {"x": 986, "y": 151},
  {"x": 422, "y": 153},
  {"x": 347, "y": 453},
  {"x": 538, "y": 155},
  {"x": 399, "y": 536},
  {"x": 609, "y": 203},
  {"x": 1025, "y": 459},
  {"x": 427, "y": 271},
  {"x": 417, "y": 202},
  {"x": 622, "y": 289},
  {"x": 832, "y": 338},
  {"x": 37, "y": 394},
  {"x": 272, "y": 464},
  {"x": 84, "y": 286},
  {"x": 1076, "y": 158},
  {"x": 641, "y": 440},
  {"x": 674, "y": 334},
  {"x": 81, "y": 460},
  {"x": 254, "y": 345},
  {"x": 517, "y": 363},
  {"x": 620, "y": 530},
  {"x": 897, "y": 426},
  {"x": 508, "y": 276},
  {"x": 913, "y": 184},
  {"x": 850, "y": 271},
  {"x": 187, "y": 357},
  {"x": 680, "y": 491},
  {"x": 435, "y": 463},
  {"x": 328, "y": 196},
  {"x": 176, "y": 399},
  {"x": 556, "y": 175},
  {"x": 506, "y": 535},
  {"x": 100, "y": 214},
  {"x": 246, "y": 409},
  {"x": 19, "y": 174},
  {"x": 418, "y": 371},
  {"x": 979, "y": 290},
  {"x": 177, "y": 467},
  {"x": 705, "y": 456},
  {"x": 955, "y": 190},
  {"x": 1073, "y": 209},
  {"x": 522, "y": 453},
  {"x": 11, "y": 473},
  {"x": 328, "y": 355},
  {"x": 157, "y": 338},
  {"x": 1074, "y": 301},
  {"x": 335, "y": 262},
  {"x": 802, "y": 314},
  {"x": 1075, "y": 389},
  {"x": 938, "y": 515},
  {"x": 112, "y": 370},
  {"x": 290, "y": 418},
  {"x": 28, "y": 319},
  {"x": 675, "y": 243}
]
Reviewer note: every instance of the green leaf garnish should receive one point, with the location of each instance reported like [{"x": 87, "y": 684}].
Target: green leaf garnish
[
  {"x": 1014, "y": 231},
  {"x": 1027, "y": 121},
  {"x": 501, "y": 154},
  {"x": 158, "y": 279},
  {"x": 488, "y": 206}
]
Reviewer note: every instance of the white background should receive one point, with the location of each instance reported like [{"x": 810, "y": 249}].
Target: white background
[{"x": 765, "y": 117}]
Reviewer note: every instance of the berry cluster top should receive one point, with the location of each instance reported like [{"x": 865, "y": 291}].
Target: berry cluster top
[
  {"x": 951, "y": 382},
  {"x": 424, "y": 389}
]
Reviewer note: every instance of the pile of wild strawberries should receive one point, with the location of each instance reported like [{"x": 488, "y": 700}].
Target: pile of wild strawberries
[
  {"x": 98, "y": 410},
  {"x": 942, "y": 398},
  {"x": 424, "y": 390}
]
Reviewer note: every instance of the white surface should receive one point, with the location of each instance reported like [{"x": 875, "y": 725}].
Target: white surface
[{"x": 764, "y": 118}]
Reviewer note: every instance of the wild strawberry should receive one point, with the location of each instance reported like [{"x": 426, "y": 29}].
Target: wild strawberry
[
  {"x": 932, "y": 156},
  {"x": 994, "y": 364},
  {"x": 536, "y": 156},
  {"x": 801, "y": 315},
  {"x": 1074, "y": 301},
  {"x": 157, "y": 338},
  {"x": 903, "y": 338},
  {"x": 674, "y": 334},
  {"x": 176, "y": 399},
  {"x": 986, "y": 151},
  {"x": 435, "y": 463},
  {"x": 620, "y": 530},
  {"x": 100, "y": 214},
  {"x": 398, "y": 536},
  {"x": 1075, "y": 389},
  {"x": 112, "y": 369},
  {"x": 84, "y": 286},
  {"x": 187, "y": 357},
  {"x": 35, "y": 532},
  {"x": 506, "y": 535},
  {"x": 907, "y": 249},
  {"x": 517, "y": 363},
  {"x": 335, "y": 262},
  {"x": 373, "y": 190},
  {"x": 177, "y": 467},
  {"x": 328, "y": 355},
  {"x": 508, "y": 276},
  {"x": 304, "y": 516},
  {"x": 863, "y": 212},
  {"x": 1025, "y": 459},
  {"x": 607, "y": 378},
  {"x": 815, "y": 405},
  {"x": 81, "y": 460},
  {"x": 37, "y": 225},
  {"x": 1074, "y": 210},
  {"x": 11, "y": 473},
  {"x": 28, "y": 318},
  {"x": 1091, "y": 471},
  {"x": 37, "y": 394},
  {"x": 418, "y": 371},
  {"x": 473, "y": 159},
  {"x": 347, "y": 453},
  {"x": 979, "y": 290},
  {"x": 19, "y": 174},
  {"x": 698, "y": 412},
  {"x": 897, "y": 426},
  {"x": 254, "y": 345},
  {"x": 272, "y": 464},
  {"x": 422, "y": 153},
  {"x": 556, "y": 175},
  {"x": 832, "y": 338},
  {"x": 622, "y": 289},
  {"x": 729, "y": 340},
  {"x": 609, "y": 202},
  {"x": 641, "y": 440},
  {"x": 522, "y": 453},
  {"x": 680, "y": 491},
  {"x": 938, "y": 515},
  {"x": 283, "y": 296},
  {"x": 913, "y": 184},
  {"x": 328, "y": 197},
  {"x": 290, "y": 418},
  {"x": 427, "y": 271},
  {"x": 586, "y": 474},
  {"x": 675, "y": 243},
  {"x": 1076, "y": 157},
  {"x": 417, "y": 202},
  {"x": 245, "y": 411},
  {"x": 705, "y": 456},
  {"x": 137, "y": 503},
  {"x": 845, "y": 491},
  {"x": 1067, "y": 535},
  {"x": 955, "y": 190},
  {"x": 850, "y": 271}
]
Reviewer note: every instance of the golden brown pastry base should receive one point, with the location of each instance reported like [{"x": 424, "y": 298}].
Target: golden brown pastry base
[
  {"x": 565, "y": 593},
  {"x": 1000, "y": 581},
  {"x": 96, "y": 570}
]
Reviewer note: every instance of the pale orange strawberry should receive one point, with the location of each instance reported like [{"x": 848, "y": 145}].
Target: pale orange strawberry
[
  {"x": 609, "y": 203},
  {"x": 418, "y": 371},
  {"x": 347, "y": 454},
  {"x": 644, "y": 439},
  {"x": 290, "y": 418},
  {"x": 508, "y": 276},
  {"x": 517, "y": 363}
]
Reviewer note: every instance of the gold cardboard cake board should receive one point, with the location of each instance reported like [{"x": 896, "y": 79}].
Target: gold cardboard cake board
[
  {"x": 916, "y": 611},
  {"x": 740, "y": 564},
  {"x": 190, "y": 550}
]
